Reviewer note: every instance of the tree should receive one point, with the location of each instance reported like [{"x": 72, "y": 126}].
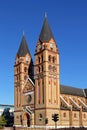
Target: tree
[
  {"x": 8, "y": 117},
  {"x": 55, "y": 118},
  {"x": 3, "y": 121}
]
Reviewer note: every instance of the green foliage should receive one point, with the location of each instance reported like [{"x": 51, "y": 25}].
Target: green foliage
[
  {"x": 8, "y": 117},
  {"x": 3, "y": 121}
]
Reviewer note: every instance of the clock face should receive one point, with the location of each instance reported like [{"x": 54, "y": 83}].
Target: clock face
[
  {"x": 27, "y": 58},
  {"x": 28, "y": 98},
  {"x": 51, "y": 45},
  {"x": 39, "y": 46}
]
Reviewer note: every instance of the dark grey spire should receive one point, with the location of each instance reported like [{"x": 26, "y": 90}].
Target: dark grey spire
[
  {"x": 46, "y": 33},
  {"x": 23, "y": 49}
]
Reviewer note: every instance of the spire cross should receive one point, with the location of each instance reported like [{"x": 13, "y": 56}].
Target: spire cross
[
  {"x": 45, "y": 14},
  {"x": 23, "y": 33}
]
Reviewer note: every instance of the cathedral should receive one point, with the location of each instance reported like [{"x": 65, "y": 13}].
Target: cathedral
[{"x": 38, "y": 94}]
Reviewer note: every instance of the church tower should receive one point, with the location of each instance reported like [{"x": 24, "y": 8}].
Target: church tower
[
  {"x": 47, "y": 86},
  {"x": 23, "y": 70}
]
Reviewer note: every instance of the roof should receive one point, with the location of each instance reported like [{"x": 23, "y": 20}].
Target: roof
[
  {"x": 46, "y": 33},
  {"x": 85, "y": 90},
  {"x": 72, "y": 91},
  {"x": 6, "y": 105},
  {"x": 23, "y": 49}
]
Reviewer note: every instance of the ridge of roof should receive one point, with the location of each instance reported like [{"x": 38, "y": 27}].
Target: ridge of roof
[
  {"x": 85, "y": 90},
  {"x": 46, "y": 33},
  {"x": 71, "y": 90},
  {"x": 23, "y": 49}
]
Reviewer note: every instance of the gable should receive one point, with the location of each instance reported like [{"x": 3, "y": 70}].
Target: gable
[{"x": 28, "y": 87}]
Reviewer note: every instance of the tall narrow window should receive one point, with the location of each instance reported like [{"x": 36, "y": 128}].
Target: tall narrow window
[
  {"x": 42, "y": 58},
  {"x": 43, "y": 89},
  {"x": 17, "y": 70},
  {"x": 39, "y": 68},
  {"x": 25, "y": 69},
  {"x": 42, "y": 68},
  {"x": 17, "y": 96},
  {"x": 49, "y": 58},
  {"x": 84, "y": 115},
  {"x": 74, "y": 115},
  {"x": 39, "y": 92},
  {"x": 49, "y": 67},
  {"x": 64, "y": 114},
  {"x": 53, "y": 59},
  {"x": 17, "y": 78},
  {"x": 38, "y": 59}
]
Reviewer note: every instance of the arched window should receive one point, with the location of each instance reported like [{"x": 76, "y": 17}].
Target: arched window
[
  {"x": 49, "y": 58},
  {"x": 17, "y": 70},
  {"x": 49, "y": 67},
  {"x": 42, "y": 68},
  {"x": 42, "y": 58},
  {"x": 53, "y": 59},
  {"x": 25, "y": 69},
  {"x": 39, "y": 92},
  {"x": 54, "y": 68},
  {"x": 38, "y": 59},
  {"x": 74, "y": 115},
  {"x": 17, "y": 78},
  {"x": 43, "y": 89},
  {"x": 61, "y": 103},
  {"x": 84, "y": 115},
  {"x": 40, "y": 117},
  {"x": 49, "y": 82},
  {"x": 64, "y": 114},
  {"x": 39, "y": 68}
]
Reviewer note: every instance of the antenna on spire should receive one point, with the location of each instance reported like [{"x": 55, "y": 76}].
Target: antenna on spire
[{"x": 45, "y": 14}]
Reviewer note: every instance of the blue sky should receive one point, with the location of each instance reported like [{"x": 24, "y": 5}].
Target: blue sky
[{"x": 68, "y": 21}]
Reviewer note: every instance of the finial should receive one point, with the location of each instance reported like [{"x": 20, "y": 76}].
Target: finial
[
  {"x": 45, "y": 14},
  {"x": 23, "y": 33}
]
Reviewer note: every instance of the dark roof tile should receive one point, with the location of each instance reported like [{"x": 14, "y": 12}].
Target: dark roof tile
[
  {"x": 23, "y": 49},
  {"x": 71, "y": 91},
  {"x": 46, "y": 33}
]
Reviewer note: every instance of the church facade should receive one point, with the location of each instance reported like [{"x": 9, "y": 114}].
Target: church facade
[{"x": 38, "y": 93}]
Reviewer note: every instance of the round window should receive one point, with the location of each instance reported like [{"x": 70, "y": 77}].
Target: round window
[{"x": 29, "y": 98}]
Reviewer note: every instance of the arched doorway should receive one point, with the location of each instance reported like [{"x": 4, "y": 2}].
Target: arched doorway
[{"x": 26, "y": 120}]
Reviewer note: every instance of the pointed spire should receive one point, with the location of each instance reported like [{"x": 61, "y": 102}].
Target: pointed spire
[
  {"x": 45, "y": 14},
  {"x": 46, "y": 33},
  {"x": 23, "y": 49}
]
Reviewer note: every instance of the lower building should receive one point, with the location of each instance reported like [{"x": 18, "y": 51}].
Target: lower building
[
  {"x": 4, "y": 106},
  {"x": 38, "y": 94}
]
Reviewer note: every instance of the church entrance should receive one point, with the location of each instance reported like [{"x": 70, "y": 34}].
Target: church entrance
[{"x": 26, "y": 120}]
